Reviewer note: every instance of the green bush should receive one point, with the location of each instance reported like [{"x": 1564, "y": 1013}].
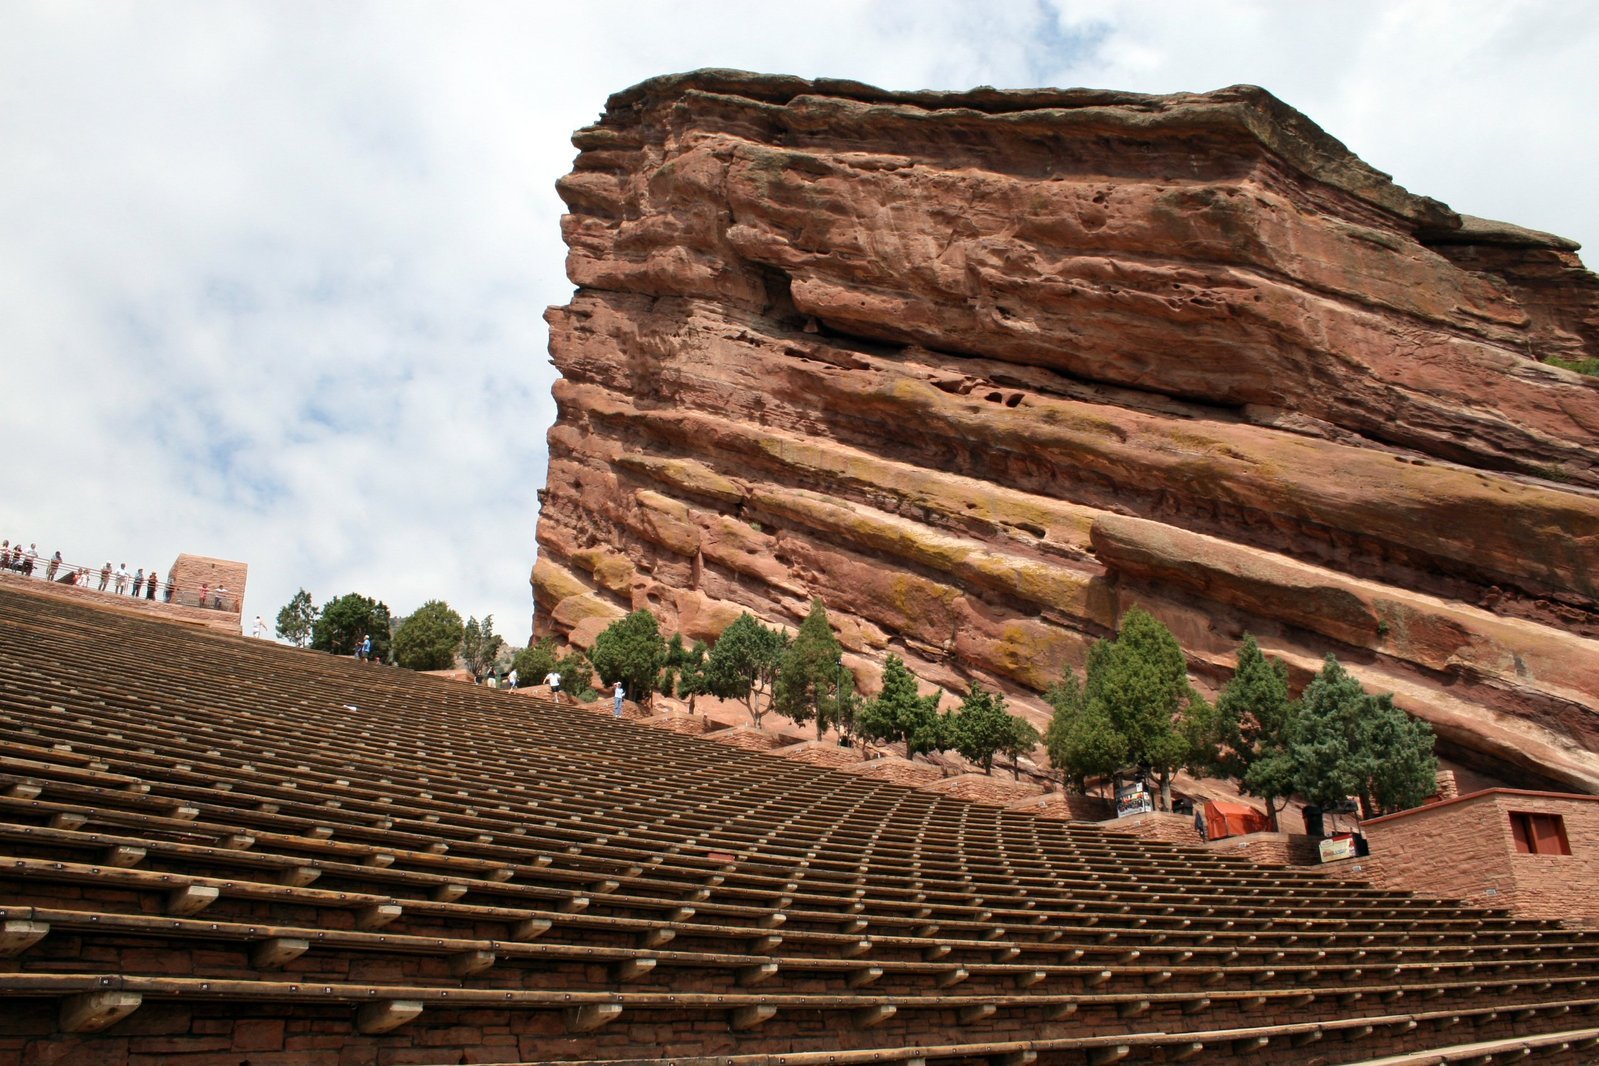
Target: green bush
[{"x": 1581, "y": 366}]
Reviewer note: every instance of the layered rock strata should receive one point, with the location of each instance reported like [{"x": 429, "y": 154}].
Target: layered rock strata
[{"x": 983, "y": 370}]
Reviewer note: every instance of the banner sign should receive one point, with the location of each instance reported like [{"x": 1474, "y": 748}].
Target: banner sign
[
  {"x": 1337, "y": 847},
  {"x": 1132, "y": 799}
]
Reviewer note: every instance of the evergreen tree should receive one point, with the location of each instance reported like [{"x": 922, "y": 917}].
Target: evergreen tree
[
  {"x": 898, "y": 714},
  {"x": 1080, "y": 739},
  {"x": 631, "y": 651},
  {"x": 1347, "y": 742},
  {"x": 1404, "y": 769},
  {"x": 577, "y": 676},
  {"x": 429, "y": 638},
  {"x": 297, "y": 618},
  {"x": 981, "y": 726},
  {"x": 744, "y": 662},
  {"x": 480, "y": 646},
  {"x": 1141, "y": 680},
  {"x": 533, "y": 665},
  {"x": 810, "y": 677},
  {"x": 846, "y": 706},
  {"x": 1255, "y": 719},
  {"x": 692, "y": 681},
  {"x": 344, "y": 621},
  {"x": 676, "y": 655},
  {"x": 1020, "y": 739}
]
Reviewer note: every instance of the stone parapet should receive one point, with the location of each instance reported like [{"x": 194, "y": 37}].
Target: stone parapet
[
  {"x": 1466, "y": 849},
  {"x": 1156, "y": 825}
]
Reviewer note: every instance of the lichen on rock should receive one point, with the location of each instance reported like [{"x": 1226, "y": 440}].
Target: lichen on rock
[{"x": 985, "y": 369}]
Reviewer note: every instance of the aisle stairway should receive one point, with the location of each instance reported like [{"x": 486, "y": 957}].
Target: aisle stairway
[{"x": 216, "y": 850}]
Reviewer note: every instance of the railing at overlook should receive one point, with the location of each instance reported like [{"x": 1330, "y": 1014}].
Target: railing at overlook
[{"x": 89, "y": 578}]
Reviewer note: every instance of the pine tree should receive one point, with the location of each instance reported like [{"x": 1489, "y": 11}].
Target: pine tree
[
  {"x": 1141, "y": 680},
  {"x": 344, "y": 621},
  {"x": 480, "y": 646},
  {"x": 1255, "y": 721},
  {"x": 630, "y": 650},
  {"x": 1020, "y": 739},
  {"x": 810, "y": 677},
  {"x": 1404, "y": 770},
  {"x": 692, "y": 682},
  {"x": 429, "y": 638},
  {"x": 297, "y": 618},
  {"x": 1347, "y": 742},
  {"x": 1080, "y": 740},
  {"x": 577, "y": 676},
  {"x": 533, "y": 665},
  {"x": 981, "y": 726},
  {"x": 898, "y": 714},
  {"x": 744, "y": 662}
]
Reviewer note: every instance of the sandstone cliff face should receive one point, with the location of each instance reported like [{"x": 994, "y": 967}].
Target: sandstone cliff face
[{"x": 983, "y": 370}]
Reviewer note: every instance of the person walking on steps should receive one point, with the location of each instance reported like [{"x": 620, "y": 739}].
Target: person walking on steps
[{"x": 553, "y": 679}]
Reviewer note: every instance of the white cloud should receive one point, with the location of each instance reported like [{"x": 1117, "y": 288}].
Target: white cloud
[{"x": 272, "y": 274}]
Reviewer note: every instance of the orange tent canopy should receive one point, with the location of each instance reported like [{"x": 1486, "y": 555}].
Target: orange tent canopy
[{"x": 1228, "y": 818}]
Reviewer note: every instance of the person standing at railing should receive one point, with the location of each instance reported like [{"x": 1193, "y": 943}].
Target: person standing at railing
[
  {"x": 55, "y": 564},
  {"x": 138, "y": 583},
  {"x": 105, "y": 575},
  {"x": 122, "y": 579},
  {"x": 149, "y": 588},
  {"x": 205, "y": 587},
  {"x": 31, "y": 560}
]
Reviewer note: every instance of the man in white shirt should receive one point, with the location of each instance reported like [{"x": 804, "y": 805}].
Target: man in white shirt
[
  {"x": 553, "y": 680},
  {"x": 122, "y": 579}
]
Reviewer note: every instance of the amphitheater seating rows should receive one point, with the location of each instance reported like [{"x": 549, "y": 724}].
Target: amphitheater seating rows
[{"x": 212, "y": 845}]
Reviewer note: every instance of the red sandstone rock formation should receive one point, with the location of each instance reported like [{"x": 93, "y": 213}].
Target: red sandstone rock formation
[{"x": 985, "y": 369}]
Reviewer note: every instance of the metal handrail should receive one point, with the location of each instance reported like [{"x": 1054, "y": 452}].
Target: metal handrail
[{"x": 103, "y": 580}]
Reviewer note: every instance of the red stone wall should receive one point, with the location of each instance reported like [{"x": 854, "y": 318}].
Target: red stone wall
[
  {"x": 899, "y": 770},
  {"x": 1269, "y": 849},
  {"x": 823, "y": 753},
  {"x": 1464, "y": 850},
  {"x": 1157, "y": 825},
  {"x": 189, "y": 572},
  {"x": 751, "y": 739},
  {"x": 983, "y": 788},
  {"x": 690, "y": 724}
]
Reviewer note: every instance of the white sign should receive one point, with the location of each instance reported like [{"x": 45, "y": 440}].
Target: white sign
[
  {"x": 1338, "y": 847},
  {"x": 1132, "y": 799}
]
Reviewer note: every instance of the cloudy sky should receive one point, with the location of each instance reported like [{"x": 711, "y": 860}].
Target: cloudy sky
[{"x": 272, "y": 274}]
